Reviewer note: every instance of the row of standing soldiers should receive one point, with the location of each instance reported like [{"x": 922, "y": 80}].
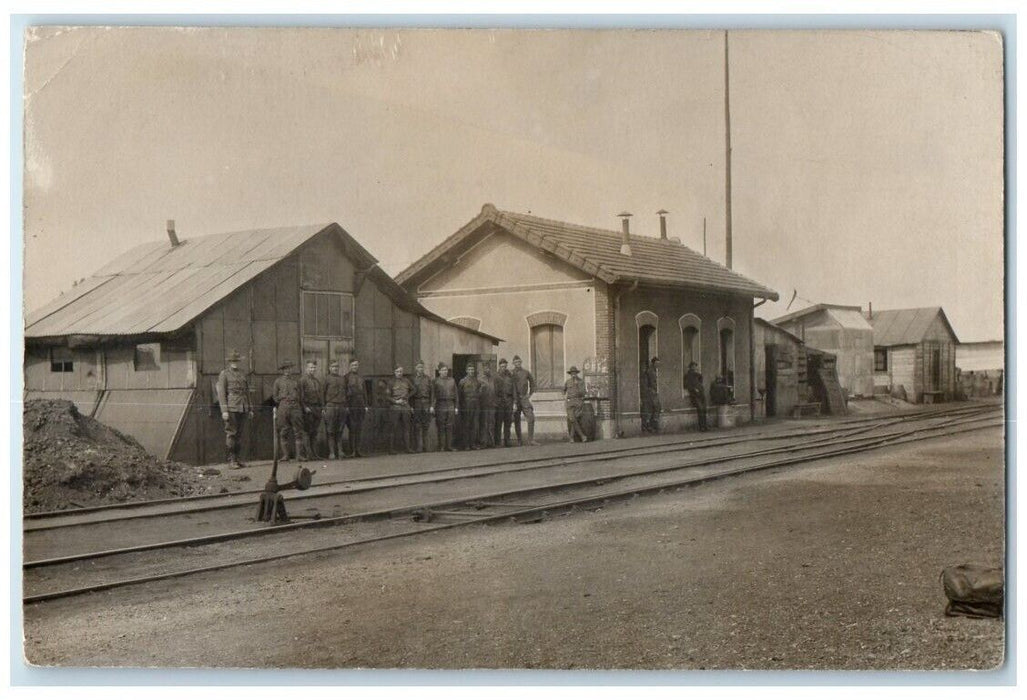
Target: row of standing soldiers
[{"x": 474, "y": 413}]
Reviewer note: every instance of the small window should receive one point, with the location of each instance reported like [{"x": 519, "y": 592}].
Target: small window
[
  {"x": 61, "y": 360},
  {"x": 327, "y": 315},
  {"x": 147, "y": 357},
  {"x": 880, "y": 359}
]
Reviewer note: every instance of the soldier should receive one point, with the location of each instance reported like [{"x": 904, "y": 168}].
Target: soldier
[
  {"x": 356, "y": 407},
  {"x": 234, "y": 398},
  {"x": 399, "y": 392},
  {"x": 443, "y": 399},
  {"x": 697, "y": 394},
  {"x": 469, "y": 406},
  {"x": 524, "y": 387},
  {"x": 651, "y": 397},
  {"x": 311, "y": 396},
  {"x": 487, "y": 399},
  {"x": 422, "y": 404},
  {"x": 334, "y": 397},
  {"x": 286, "y": 396},
  {"x": 504, "y": 404},
  {"x": 574, "y": 395}
]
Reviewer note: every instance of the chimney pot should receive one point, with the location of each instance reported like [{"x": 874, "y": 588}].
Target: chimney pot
[
  {"x": 625, "y": 245},
  {"x": 663, "y": 223},
  {"x": 171, "y": 234}
]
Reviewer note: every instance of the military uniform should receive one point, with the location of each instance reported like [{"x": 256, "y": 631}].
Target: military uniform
[
  {"x": 487, "y": 408},
  {"x": 286, "y": 395},
  {"x": 400, "y": 390},
  {"x": 697, "y": 394},
  {"x": 574, "y": 397},
  {"x": 504, "y": 406},
  {"x": 334, "y": 397},
  {"x": 312, "y": 397},
  {"x": 443, "y": 398},
  {"x": 233, "y": 391},
  {"x": 650, "y": 401},
  {"x": 356, "y": 409},
  {"x": 421, "y": 404},
  {"x": 469, "y": 403},
  {"x": 524, "y": 387}
]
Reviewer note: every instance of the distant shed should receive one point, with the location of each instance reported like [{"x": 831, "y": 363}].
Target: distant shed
[
  {"x": 915, "y": 353},
  {"x": 840, "y": 331}
]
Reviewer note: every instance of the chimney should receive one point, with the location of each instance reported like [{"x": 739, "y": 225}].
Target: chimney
[
  {"x": 663, "y": 223},
  {"x": 171, "y": 234},
  {"x": 870, "y": 310},
  {"x": 625, "y": 245}
]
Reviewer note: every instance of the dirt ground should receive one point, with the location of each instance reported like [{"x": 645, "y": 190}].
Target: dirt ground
[{"x": 833, "y": 565}]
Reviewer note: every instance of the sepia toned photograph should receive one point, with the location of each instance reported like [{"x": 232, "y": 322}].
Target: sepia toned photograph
[{"x": 514, "y": 349}]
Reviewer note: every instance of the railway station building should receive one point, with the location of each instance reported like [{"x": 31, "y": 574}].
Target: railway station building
[
  {"x": 560, "y": 294},
  {"x": 140, "y": 343}
]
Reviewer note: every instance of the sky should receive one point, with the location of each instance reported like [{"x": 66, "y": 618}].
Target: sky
[{"x": 867, "y": 167}]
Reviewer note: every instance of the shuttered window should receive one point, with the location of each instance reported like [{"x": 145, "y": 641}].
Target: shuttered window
[
  {"x": 327, "y": 315},
  {"x": 547, "y": 355}
]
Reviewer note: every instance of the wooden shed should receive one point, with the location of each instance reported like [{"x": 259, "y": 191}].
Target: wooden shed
[
  {"x": 915, "y": 353},
  {"x": 140, "y": 343}
]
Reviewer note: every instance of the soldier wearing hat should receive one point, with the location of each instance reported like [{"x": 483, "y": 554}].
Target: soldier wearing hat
[
  {"x": 400, "y": 391},
  {"x": 443, "y": 402},
  {"x": 524, "y": 387},
  {"x": 311, "y": 397},
  {"x": 334, "y": 398},
  {"x": 651, "y": 397},
  {"x": 234, "y": 398},
  {"x": 469, "y": 405},
  {"x": 574, "y": 395},
  {"x": 421, "y": 403},
  {"x": 487, "y": 407},
  {"x": 504, "y": 404},
  {"x": 356, "y": 407},
  {"x": 285, "y": 393},
  {"x": 697, "y": 393}
]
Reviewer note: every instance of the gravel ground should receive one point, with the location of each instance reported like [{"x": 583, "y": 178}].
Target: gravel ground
[{"x": 832, "y": 565}]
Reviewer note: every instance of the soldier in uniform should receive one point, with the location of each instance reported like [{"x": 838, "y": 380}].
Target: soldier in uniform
[
  {"x": 234, "y": 399},
  {"x": 399, "y": 391},
  {"x": 651, "y": 397},
  {"x": 469, "y": 405},
  {"x": 487, "y": 400},
  {"x": 356, "y": 407},
  {"x": 443, "y": 401},
  {"x": 422, "y": 404},
  {"x": 311, "y": 396},
  {"x": 286, "y": 396},
  {"x": 574, "y": 395},
  {"x": 697, "y": 394},
  {"x": 334, "y": 397},
  {"x": 524, "y": 387},
  {"x": 504, "y": 404}
]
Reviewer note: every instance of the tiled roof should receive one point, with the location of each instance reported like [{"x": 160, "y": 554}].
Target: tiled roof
[
  {"x": 157, "y": 288},
  {"x": 905, "y": 326},
  {"x": 597, "y": 252}
]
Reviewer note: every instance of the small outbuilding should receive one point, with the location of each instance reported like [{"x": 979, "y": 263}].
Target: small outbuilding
[
  {"x": 915, "y": 354},
  {"x": 139, "y": 344}
]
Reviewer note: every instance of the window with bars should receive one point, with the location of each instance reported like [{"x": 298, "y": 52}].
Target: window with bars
[{"x": 327, "y": 315}]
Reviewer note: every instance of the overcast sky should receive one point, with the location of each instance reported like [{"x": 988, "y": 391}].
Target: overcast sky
[{"x": 867, "y": 166}]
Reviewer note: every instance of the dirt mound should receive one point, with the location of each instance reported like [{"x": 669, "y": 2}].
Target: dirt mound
[{"x": 72, "y": 461}]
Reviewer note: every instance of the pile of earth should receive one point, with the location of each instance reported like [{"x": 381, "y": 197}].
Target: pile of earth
[{"x": 74, "y": 461}]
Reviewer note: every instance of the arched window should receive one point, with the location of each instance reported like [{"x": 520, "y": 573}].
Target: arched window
[
  {"x": 547, "y": 352},
  {"x": 467, "y": 322},
  {"x": 691, "y": 344},
  {"x": 648, "y": 324},
  {"x": 726, "y": 337}
]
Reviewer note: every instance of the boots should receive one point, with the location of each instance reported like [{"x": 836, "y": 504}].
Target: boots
[
  {"x": 331, "y": 447},
  {"x": 283, "y": 450},
  {"x": 531, "y": 433},
  {"x": 307, "y": 449},
  {"x": 299, "y": 450}
]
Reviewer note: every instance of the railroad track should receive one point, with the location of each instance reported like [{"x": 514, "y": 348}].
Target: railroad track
[{"x": 86, "y": 571}]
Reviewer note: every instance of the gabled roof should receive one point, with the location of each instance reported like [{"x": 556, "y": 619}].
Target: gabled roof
[
  {"x": 815, "y": 308},
  {"x": 155, "y": 288},
  {"x": 594, "y": 251},
  {"x": 779, "y": 329},
  {"x": 906, "y": 326}
]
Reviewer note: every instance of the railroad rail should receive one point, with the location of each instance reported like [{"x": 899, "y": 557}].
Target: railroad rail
[{"x": 531, "y": 502}]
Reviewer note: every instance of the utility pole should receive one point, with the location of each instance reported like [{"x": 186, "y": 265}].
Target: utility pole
[
  {"x": 704, "y": 236},
  {"x": 727, "y": 140}
]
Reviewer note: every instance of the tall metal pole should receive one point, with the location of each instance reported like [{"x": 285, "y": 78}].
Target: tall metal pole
[
  {"x": 727, "y": 140},
  {"x": 704, "y": 235}
]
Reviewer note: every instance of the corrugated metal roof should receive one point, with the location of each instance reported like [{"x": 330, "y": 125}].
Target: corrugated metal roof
[
  {"x": 905, "y": 326},
  {"x": 597, "y": 252},
  {"x": 813, "y": 309}
]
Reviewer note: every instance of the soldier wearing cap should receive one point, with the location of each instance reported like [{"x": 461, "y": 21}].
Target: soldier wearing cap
[
  {"x": 524, "y": 387},
  {"x": 311, "y": 396},
  {"x": 469, "y": 405},
  {"x": 443, "y": 401},
  {"x": 697, "y": 393},
  {"x": 504, "y": 404},
  {"x": 356, "y": 407},
  {"x": 487, "y": 407},
  {"x": 286, "y": 396},
  {"x": 334, "y": 398},
  {"x": 650, "y": 395},
  {"x": 399, "y": 392},
  {"x": 574, "y": 396},
  {"x": 234, "y": 398},
  {"x": 421, "y": 404}
]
